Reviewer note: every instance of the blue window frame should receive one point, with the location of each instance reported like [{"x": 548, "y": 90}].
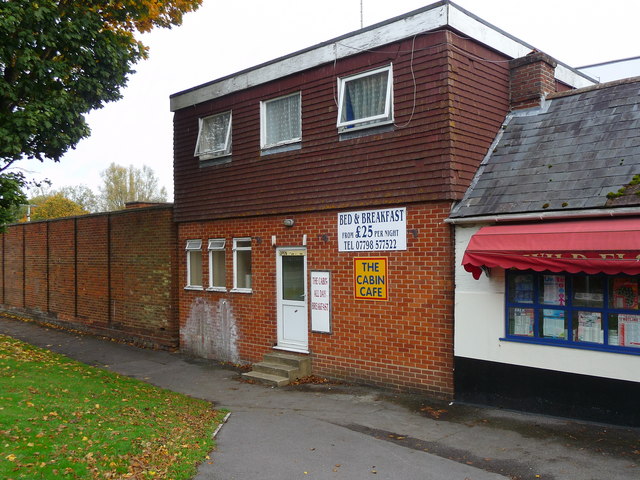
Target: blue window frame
[{"x": 598, "y": 312}]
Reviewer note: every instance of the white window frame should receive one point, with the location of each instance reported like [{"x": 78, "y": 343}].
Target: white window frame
[
  {"x": 216, "y": 245},
  {"x": 263, "y": 122},
  {"x": 209, "y": 154},
  {"x": 237, "y": 249},
  {"x": 366, "y": 122},
  {"x": 192, "y": 246}
]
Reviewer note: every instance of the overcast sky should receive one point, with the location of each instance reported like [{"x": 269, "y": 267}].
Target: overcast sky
[{"x": 225, "y": 36}]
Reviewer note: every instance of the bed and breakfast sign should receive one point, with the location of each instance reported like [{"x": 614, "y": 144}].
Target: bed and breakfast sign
[{"x": 372, "y": 230}]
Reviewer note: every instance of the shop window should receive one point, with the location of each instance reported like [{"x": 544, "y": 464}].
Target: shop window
[
  {"x": 217, "y": 266},
  {"x": 194, "y": 264},
  {"x": 280, "y": 121},
  {"x": 583, "y": 311},
  {"x": 242, "y": 264},
  {"x": 214, "y": 136},
  {"x": 366, "y": 99}
]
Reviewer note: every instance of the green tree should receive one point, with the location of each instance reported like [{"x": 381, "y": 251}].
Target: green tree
[
  {"x": 122, "y": 185},
  {"x": 60, "y": 59},
  {"x": 11, "y": 198},
  {"x": 55, "y": 206},
  {"x": 83, "y": 196}
]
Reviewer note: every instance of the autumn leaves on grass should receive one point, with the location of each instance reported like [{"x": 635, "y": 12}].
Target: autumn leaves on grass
[{"x": 63, "y": 419}]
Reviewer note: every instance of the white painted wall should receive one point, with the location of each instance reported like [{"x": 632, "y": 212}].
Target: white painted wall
[{"x": 480, "y": 324}]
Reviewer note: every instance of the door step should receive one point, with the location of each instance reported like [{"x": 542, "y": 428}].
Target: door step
[{"x": 279, "y": 369}]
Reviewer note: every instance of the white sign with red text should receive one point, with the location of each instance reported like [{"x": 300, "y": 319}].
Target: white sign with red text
[{"x": 321, "y": 301}]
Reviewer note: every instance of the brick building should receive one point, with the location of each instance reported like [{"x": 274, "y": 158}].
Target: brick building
[
  {"x": 550, "y": 229},
  {"x": 311, "y": 194}
]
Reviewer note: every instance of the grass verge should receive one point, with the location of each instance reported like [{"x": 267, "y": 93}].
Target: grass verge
[{"x": 61, "y": 419}]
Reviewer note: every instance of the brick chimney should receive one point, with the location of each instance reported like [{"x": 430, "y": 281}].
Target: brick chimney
[{"x": 532, "y": 79}]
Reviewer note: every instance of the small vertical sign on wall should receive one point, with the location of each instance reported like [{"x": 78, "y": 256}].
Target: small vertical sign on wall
[{"x": 321, "y": 301}]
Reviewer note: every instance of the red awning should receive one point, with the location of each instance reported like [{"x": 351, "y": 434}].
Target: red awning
[{"x": 610, "y": 246}]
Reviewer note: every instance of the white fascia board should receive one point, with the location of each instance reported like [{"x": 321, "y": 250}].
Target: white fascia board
[
  {"x": 477, "y": 29},
  {"x": 396, "y": 29},
  {"x": 573, "y": 77},
  {"x": 336, "y": 49}
]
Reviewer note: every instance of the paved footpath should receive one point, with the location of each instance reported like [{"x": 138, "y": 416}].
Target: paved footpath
[{"x": 344, "y": 432}]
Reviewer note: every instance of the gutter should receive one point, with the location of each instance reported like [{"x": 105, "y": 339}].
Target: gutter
[{"x": 546, "y": 216}]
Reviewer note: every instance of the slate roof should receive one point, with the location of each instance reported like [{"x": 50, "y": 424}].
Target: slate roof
[{"x": 568, "y": 155}]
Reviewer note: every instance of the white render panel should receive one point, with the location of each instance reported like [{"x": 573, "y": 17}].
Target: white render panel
[
  {"x": 387, "y": 32},
  {"x": 480, "y": 324}
]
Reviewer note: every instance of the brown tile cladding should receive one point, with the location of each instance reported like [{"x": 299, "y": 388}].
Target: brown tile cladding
[{"x": 431, "y": 153}]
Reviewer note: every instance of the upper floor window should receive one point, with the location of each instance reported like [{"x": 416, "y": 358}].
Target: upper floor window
[
  {"x": 586, "y": 311},
  {"x": 194, "y": 263},
  {"x": 280, "y": 121},
  {"x": 365, "y": 99},
  {"x": 214, "y": 136}
]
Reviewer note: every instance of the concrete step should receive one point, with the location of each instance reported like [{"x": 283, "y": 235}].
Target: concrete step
[
  {"x": 287, "y": 371},
  {"x": 279, "y": 368},
  {"x": 301, "y": 362},
  {"x": 266, "y": 378}
]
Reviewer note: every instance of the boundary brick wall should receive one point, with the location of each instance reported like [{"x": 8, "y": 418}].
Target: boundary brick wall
[
  {"x": 111, "y": 274},
  {"x": 405, "y": 342}
]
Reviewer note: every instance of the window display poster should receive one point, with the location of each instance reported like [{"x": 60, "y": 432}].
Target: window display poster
[
  {"x": 553, "y": 323},
  {"x": 590, "y": 327},
  {"x": 625, "y": 293},
  {"x": 523, "y": 289},
  {"x": 554, "y": 290},
  {"x": 629, "y": 330},
  {"x": 523, "y": 321}
]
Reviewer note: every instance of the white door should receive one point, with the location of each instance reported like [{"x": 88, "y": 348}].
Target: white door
[{"x": 291, "y": 277}]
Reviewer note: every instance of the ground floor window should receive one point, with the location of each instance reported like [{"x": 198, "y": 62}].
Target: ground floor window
[
  {"x": 242, "y": 264},
  {"x": 217, "y": 266},
  {"x": 194, "y": 264},
  {"x": 585, "y": 311}
]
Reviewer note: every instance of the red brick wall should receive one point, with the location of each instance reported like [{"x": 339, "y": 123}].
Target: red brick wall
[
  {"x": 35, "y": 267},
  {"x": 406, "y": 342},
  {"x": 111, "y": 274},
  {"x": 62, "y": 271},
  {"x": 13, "y": 266},
  {"x": 532, "y": 79},
  {"x": 93, "y": 270},
  {"x": 143, "y": 273}
]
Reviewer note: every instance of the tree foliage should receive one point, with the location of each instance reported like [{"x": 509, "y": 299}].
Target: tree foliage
[
  {"x": 11, "y": 197},
  {"x": 55, "y": 206},
  {"x": 60, "y": 59},
  {"x": 129, "y": 184},
  {"x": 83, "y": 196}
]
